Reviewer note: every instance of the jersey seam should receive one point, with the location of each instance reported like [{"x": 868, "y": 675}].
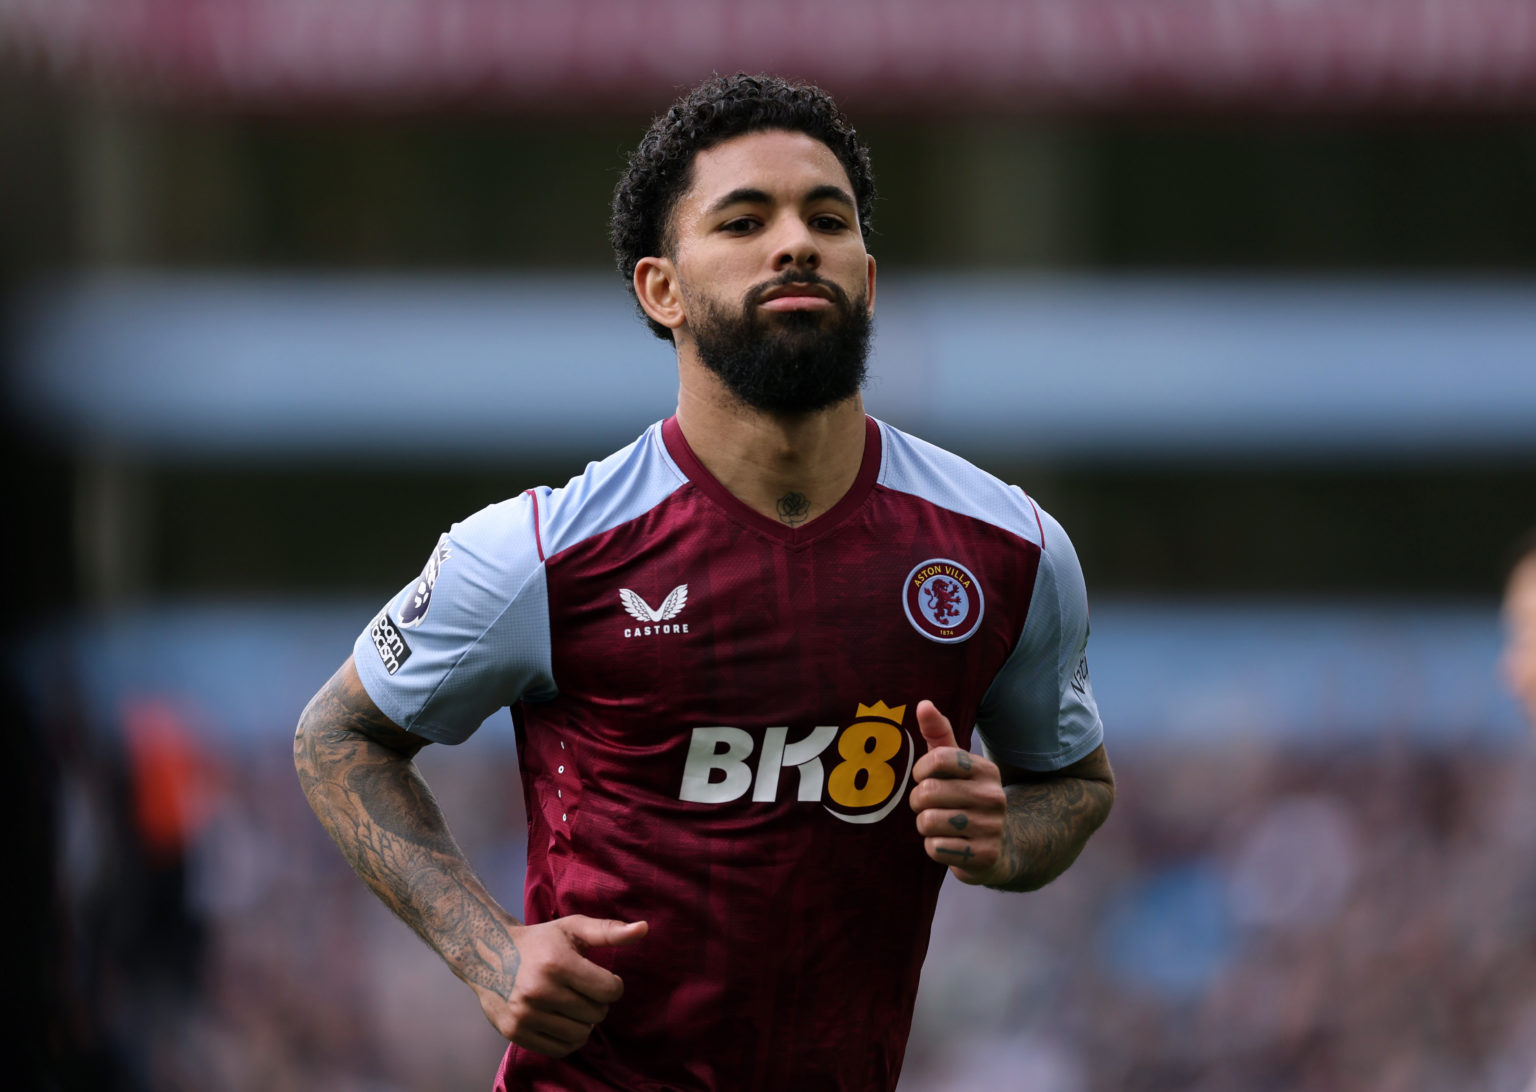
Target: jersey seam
[
  {"x": 956, "y": 512},
  {"x": 1019, "y": 643},
  {"x": 666, "y": 456},
  {"x": 1055, "y": 759},
  {"x": 1064, "y": 663},
  {"x": 476, "y": 644},
  {"x": 652, "y": 435},
  {"x": 1039, "y": 523},
  {"x": 885, "y": 468},
  {"x": 538, "y": 534}
]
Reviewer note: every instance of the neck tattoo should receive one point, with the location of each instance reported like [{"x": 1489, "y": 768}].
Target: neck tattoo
[{"x": 793, "y": 508}]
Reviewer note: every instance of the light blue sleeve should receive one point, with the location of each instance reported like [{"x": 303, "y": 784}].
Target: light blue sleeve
[
  {"x": 1040, "y": 713},
  {"x": 470, "y": 634}
]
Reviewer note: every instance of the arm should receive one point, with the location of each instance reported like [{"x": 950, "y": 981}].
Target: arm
[
  {"x": 1008, "y": 828},
  {"x": 358, "y": 771}
]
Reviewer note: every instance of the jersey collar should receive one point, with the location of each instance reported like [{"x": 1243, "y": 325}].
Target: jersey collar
[{"x": 863, "y": 482}]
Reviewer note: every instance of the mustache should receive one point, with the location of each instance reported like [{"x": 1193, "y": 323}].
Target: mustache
[{"x": 756, "y": 293}]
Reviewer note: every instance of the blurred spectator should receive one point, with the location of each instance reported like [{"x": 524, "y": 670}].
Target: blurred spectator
[
  {"x": 175, "y": 784},
  {"x": 1356, "y": 918},
  {"x": 77, "y": 816},
  {"x": 1255, "y": 917}
]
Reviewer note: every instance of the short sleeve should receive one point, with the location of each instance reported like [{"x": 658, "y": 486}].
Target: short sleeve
[
  {"x": 470, "y": 634},
  {"x": 1040, "y": 713}
]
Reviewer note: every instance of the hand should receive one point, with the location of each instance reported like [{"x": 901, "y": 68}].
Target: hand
[
  {"x": 558, "y": 995},
  {"x": 960, "y": 804}
]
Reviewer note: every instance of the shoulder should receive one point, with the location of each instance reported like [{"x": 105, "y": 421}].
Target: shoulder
[
  {"x": 499, "y": 546},
  {"x": 624, "y": 486},
  {"x": 942, "y": 478},
  {"x": 546, "y": 520}
]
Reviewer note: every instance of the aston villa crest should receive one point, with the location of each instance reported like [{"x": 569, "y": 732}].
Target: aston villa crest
[{"x": 943, "y": 600}]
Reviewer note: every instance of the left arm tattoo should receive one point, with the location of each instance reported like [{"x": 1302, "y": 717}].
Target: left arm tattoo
[{"x": 1050, "y": 818}]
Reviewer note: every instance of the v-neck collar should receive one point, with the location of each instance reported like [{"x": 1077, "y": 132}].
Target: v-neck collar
[{"x": 863, "y": 482}]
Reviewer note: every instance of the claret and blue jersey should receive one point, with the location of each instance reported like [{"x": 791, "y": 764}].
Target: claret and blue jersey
[{"x": 715, "y": 718}]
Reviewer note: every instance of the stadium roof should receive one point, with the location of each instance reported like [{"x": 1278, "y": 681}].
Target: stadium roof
[{"x": 893, "y": 55}]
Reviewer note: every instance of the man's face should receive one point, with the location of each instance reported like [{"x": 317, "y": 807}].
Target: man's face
[
  {"x": 1520, "y": 635},
  {"x": 775, "y": 281}
]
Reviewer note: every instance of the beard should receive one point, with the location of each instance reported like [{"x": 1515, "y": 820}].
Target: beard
[{"x": 792, "y": 362}]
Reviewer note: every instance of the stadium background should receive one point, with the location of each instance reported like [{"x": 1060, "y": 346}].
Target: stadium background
[{"x": 1244, "y": 291}]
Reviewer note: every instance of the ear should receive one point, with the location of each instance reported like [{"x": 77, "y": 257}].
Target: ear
[
  {"x": 870, "y": 285},
  {"x": 657, "y": 289}
]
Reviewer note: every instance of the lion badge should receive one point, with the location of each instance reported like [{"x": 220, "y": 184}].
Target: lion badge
[{"x": 943, "y": 600}]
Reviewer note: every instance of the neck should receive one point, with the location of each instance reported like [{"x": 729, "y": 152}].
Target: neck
[{"x": 791, "y": 469}]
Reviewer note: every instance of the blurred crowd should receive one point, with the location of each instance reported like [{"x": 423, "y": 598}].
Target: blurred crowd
[
  {"x": 1252, "y": 917},
  {"x": 1256, "y": 919}
]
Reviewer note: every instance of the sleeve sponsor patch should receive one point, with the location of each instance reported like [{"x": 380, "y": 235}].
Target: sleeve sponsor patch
[
  {"x": 417, "y": 599},
  {"x": 390, "y": 642}
]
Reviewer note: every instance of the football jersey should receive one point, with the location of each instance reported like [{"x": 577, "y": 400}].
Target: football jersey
[{"x": 716, "y": 726}]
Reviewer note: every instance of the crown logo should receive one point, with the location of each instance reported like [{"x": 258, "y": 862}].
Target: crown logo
[{"x": 881, "y": 711}]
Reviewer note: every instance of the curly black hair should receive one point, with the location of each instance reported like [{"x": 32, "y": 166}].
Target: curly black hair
[{"x": 661, "y": 169}]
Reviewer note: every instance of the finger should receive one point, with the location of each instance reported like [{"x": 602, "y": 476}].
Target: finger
[
  {"x": 541, "y": 1044},
  {"x": 571, "y": 1005},
  {"x": 941, "y": 823},
  {"x": 935, "y": 726},
  {"x": 603, "y": 932},
  {"x": 973, "y": 793},
  {"x": 596, "y": 984},
  {"x": 951, "y": 762},
  {"x": 945, "y": 757},
  {"x": 963, "y": 856},
  {"x": 584, "y": 976},
  {"x": 551, "y": 1035},
  {"x": 560, "y": 1027}
]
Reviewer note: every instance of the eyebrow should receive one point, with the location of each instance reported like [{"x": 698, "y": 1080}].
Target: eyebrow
[{"x": 747, "y": 195}]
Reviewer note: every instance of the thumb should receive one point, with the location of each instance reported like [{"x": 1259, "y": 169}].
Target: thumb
[
  {"x": 604, "y": 932},
  {"x": 935, "y": 726}
]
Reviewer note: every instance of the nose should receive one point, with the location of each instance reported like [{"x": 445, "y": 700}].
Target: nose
[{"x": 796, "y": 246}]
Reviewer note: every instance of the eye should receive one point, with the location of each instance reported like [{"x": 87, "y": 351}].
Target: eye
[
  {"x": 739, "y": 226},
  {"x": 828, "y": 223}
]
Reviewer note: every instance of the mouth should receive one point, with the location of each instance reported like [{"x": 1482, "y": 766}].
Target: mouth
[{"x": 797, "y": 297}]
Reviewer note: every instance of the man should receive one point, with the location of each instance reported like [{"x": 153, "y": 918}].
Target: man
[
  {"x": 1519, "y": 660},
  {"x": 1520, "y": 629},
  {"x": 732, "y": 650}
]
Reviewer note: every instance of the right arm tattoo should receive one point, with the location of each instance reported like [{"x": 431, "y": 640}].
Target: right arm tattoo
[{"x": 357, "y": 770}]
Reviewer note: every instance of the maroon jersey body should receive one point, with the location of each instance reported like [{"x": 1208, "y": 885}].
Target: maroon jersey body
[{"x": 718, "y": 734}]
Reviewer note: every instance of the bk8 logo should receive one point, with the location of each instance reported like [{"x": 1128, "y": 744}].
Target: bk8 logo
[{"x": 871, "y": 763}]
